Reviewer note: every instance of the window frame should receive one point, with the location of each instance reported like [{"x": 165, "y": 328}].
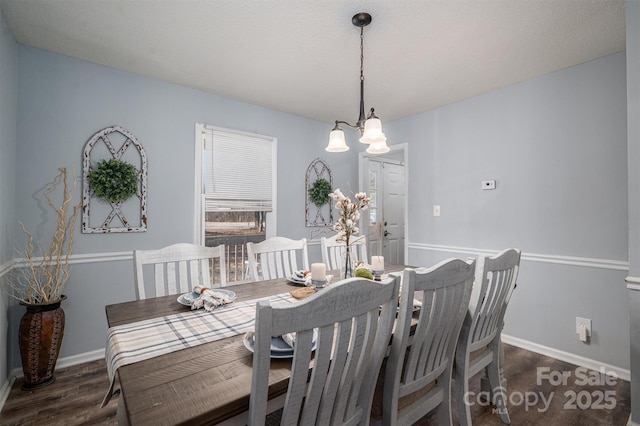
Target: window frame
[{"x": 199, "y": 187}]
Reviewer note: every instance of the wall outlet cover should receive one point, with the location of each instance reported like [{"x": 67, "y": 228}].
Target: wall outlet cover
[{"x": 489, "y": 184}]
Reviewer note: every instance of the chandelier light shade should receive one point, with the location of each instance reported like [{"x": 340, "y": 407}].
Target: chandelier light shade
[
  {"x": 378, "y": 148},
  {"x": 370, "y": 128},
  {"x": 337, "y": 143},
  {"x": 373, "y": 132}
]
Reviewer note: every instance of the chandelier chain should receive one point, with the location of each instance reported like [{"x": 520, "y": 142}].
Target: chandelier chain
[
  {"x": 370, "y": 126},
  {"x": 361, "y": 53}
]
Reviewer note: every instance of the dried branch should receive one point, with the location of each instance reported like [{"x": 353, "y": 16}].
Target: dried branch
[{"x": 42, "y": 280}]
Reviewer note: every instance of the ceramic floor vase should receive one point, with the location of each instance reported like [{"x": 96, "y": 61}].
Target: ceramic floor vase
[{"x": 40, "y": 337}]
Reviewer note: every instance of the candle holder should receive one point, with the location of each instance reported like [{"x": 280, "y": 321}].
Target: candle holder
[
  {"x": 317, "y": 284},
  {"x": 318, "y": 275},
  {"x": 377, "y": 267}
]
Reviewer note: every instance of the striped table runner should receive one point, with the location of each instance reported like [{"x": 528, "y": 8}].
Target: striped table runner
[{"x": 138, "y": 341}]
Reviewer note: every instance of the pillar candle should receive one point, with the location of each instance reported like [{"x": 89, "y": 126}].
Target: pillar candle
[
  {"x": 377, "y": 263},
  {"x": 318, "y": 272}
]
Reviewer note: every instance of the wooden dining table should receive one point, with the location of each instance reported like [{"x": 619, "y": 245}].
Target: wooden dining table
[{"x": 204, "y": 384}]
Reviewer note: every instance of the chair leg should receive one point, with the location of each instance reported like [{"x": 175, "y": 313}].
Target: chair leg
[
  {"x": 461, "y": 388},
  {"x": 498, "y": 385},
  {"x": 485, "y": 385},
  {"x": 444, "y": 408}
]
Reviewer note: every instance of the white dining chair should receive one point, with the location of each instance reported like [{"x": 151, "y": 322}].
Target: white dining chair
[
  {"x": 178, "y": 268},
  {"x": 332, "y": 251},
  {"x": 277, "y": 257},
  {"x": 352, "y": 320},
  {"x": 417, "y": 375},
  {"x": 479, "y": 345}
]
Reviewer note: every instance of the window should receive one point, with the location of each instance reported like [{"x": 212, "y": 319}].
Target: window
[
  {"x": 373, "y": 197},
  {"x": 235, "y": 180}
]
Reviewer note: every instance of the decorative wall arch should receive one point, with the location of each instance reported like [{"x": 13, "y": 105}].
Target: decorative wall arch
[
  {"x": 101, "y": 145},
  {"x": 317, "y": 215}
]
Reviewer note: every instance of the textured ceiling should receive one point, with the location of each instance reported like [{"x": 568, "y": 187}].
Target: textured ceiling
[{"x": 303, "y": 57}]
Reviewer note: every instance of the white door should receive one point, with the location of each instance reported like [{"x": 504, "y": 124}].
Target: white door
[
  {"x": 393, "y": 212},
  {"x": 384, "y": 224}
]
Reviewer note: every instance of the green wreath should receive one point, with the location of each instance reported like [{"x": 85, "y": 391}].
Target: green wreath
[
  {"x": 114, "y": 181},
  {"x": 319, "y": 192}
]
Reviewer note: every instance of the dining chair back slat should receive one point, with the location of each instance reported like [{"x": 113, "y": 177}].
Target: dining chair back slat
[
  {"x": 495, "y": 280},
  {"x": 353, "y": 320},
  {"x": 276, "y": 257},
  {"x": 178, "y": 268},
  {"x": 418, "y": 372},
  {"x": 332, "y": 251}
]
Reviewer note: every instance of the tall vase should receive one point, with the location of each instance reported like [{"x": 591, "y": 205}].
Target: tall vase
[
  {"x": 40, "y": 337},
  {"x": 347, "y": 263}
]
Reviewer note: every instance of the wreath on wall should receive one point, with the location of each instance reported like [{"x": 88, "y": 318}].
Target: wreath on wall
[
  {"x": 319, "y": 192},
  {"x": 114, "y": 181}
]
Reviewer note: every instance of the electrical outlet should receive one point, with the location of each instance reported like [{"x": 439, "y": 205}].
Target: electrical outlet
[
  {"x": 587, "y": 325},
  {"x": 436, "y": 210},
  {"x": 489, "y": 184}
]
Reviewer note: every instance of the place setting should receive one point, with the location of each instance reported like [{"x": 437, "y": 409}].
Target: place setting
[
  {"x": 281, "y": 346},
  {"x": 309, "y": 281},
  {"x": 207, "y": 298}
]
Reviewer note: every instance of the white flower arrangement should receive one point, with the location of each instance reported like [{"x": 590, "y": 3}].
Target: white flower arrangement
[{"x": 349, "y": 214}]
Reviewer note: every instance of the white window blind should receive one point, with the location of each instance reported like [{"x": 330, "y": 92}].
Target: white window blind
[{"x": 238, "y": 171}]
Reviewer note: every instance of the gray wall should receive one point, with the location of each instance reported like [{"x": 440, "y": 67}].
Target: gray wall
[
  {"x": 556, "y": 146},
  {"x": 8, "y": 85},
  {"x": 633, "y": 136},
  {"x": 62, "y": 102}
]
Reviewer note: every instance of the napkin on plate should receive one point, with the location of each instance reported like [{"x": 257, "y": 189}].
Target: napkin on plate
[
  {"x": 209, "y": 300},
  {"x": 289, "y": 339},
  {"x": 301, "y": 274},
  {"x": 416, "y": 304}
]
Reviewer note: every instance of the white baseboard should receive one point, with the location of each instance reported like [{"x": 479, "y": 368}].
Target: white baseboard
[
  {"x": 631, "y": 422},
  {"x": 65, "y": 362},
  {"x": 70, "y": 361},
  {"x": 580, "y": 361},
  {"x": 4, "y": 392}
]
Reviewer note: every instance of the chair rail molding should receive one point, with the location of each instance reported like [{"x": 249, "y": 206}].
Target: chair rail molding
[
  {"x": 633, "y": 283},
  {"x": 73, "y": 259},
  {"x": 6, "y": 267},
  {"x": 618, "y": 265}
]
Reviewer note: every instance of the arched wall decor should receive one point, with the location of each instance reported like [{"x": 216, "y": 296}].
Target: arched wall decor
[
  {"x": 101, "y": 145},
  {"x": 317, "y": 215}
]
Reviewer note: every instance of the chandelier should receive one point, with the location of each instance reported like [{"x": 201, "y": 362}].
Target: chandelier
[{"x": 371, "y": 127}]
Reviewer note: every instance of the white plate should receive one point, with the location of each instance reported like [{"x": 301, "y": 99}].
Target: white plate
[
  {"x": 188, "y": 298},
  {"x": 297, "y": 280},
  {"x": 279, "y": 348}
]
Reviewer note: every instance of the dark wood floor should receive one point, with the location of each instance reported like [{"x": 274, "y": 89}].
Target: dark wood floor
[{"x": 74, "y": 399}]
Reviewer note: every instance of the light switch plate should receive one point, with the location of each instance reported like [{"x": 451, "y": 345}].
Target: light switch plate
[
  {"x": 436, "y": 210},
  {"x": 587, "y": 324}
]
